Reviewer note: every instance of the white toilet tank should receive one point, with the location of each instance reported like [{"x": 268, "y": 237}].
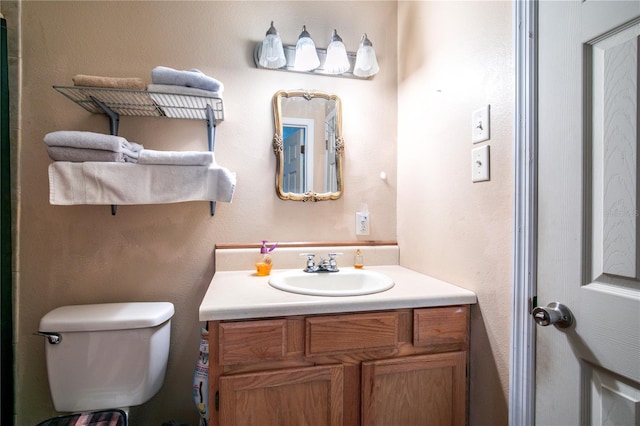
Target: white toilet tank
[{"x": 109, "y": 356}]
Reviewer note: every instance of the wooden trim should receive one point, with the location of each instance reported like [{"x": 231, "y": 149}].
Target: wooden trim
[{"x": 226, "y": 246}]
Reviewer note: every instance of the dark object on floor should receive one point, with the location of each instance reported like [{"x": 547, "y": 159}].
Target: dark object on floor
[{"x": 95, "y": 418}]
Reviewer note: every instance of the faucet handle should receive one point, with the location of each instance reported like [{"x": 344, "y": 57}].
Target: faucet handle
[
  {"x": 311, "y": 265},
  {"x": 310, "y": 262},
  {"x": 332, "y": 261}
]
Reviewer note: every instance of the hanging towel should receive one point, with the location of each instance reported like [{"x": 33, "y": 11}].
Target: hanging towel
[
  {"x": 189, "y": 78},
  {"x": 65, "y": 153},
  {"x": 132, "y": 83},
  {"x": 178, "y": 158},
  {"x": 90, "y": 140},
  {"x": 125, "y": 184}
]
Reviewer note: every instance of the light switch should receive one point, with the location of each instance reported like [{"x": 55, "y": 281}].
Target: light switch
[
  {"x": 480, "y": 124},
  {"x": 480, "y": 164}
]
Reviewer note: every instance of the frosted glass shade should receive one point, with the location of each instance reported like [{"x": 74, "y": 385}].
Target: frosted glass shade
[
  {"x": 306, "y": 54},
  {"x": 272, "y": 52},
  {"x": 366, "y": 61},
  {"x": 337, "y": 61}
]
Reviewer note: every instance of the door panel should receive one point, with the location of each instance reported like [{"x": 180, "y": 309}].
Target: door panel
[
  {"x": 416, "y": 390},
  {"x": 290, "y": 397},
  {"x": 588, "y": 198}
]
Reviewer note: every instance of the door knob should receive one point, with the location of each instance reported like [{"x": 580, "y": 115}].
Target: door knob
[{"x": 554, "y": 313}]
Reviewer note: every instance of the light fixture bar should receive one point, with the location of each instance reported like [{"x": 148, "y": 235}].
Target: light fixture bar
[{"x": 290, "y": 53}]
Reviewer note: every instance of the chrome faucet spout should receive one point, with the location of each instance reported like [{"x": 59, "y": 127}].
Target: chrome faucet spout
[{"x": 324, "y": 265}]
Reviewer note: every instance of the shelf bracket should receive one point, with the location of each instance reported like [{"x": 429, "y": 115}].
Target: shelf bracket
[
  {"x": 114, "y": 122},
  {"x": 114, "y": 117},
  {"x": 211, "y": 139}
]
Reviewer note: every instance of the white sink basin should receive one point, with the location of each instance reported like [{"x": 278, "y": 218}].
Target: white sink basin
[{"x": 346, "y": 282}]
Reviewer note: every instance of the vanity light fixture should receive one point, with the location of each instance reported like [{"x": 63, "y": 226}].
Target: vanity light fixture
[
  {"x": 304, "y": 57},
  {"x": 306, "y": 54},
  {"x": 272, "y": 53},
  {"x": 337, "y": 61},
  {"x": 366, "y": 61}
]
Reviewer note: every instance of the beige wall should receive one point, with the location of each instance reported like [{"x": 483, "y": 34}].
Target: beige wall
[
  {"x": 455, "y": 57},
  {"x": 82, "y": 254},
  {"x": 420, "y": 108}
]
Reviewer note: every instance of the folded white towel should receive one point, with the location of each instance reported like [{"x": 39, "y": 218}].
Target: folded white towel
[
  {"x": 181, "y": 90},
  {"x": 177, "y": 158},
  {"x": 189, "y": 78},
  {"x": 79, "y": 139},
  {"x": 123, "y": 183},
  {"x": 67, "y": 153}
]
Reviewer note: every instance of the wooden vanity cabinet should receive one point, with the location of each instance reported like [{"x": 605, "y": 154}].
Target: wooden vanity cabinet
[{"x": 395, "y": 367}]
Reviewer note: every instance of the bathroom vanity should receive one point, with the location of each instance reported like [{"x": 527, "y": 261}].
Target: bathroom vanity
[{"x": 394, "y": 357}]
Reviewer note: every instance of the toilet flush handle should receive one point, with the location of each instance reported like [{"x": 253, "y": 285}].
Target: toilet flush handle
[{"x": 54, "y": 338}]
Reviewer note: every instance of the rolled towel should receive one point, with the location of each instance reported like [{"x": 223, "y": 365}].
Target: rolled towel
[
  {"x": 79, "y": 155},
  {"x": 132, "y": 83},
  {"x": 176, "y": 158},
  {"x": 189, "y": 78},
  {"x": 90, "y": 140}
]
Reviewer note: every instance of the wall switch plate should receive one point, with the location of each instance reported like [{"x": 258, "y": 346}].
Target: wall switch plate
[
  {"x": 480, "y": 124},
  {"x": 362, "y": 223},
  {"x": 480, "y": 164}
]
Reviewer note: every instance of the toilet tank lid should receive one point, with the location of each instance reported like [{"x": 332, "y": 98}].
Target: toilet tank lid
[{"x": 106, "y": 316}]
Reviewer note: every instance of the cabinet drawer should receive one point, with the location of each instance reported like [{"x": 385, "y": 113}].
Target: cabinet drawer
[
  {"x": 252, "y": 341},
  {"x": 345, "y": 333},
  {"x": 440, "y": 326}
]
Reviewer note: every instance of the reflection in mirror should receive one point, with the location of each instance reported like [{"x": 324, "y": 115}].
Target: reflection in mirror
[{"x": 308, "y": 145}]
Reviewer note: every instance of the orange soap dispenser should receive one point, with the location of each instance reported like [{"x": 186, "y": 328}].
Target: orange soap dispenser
[{"x": 264, "y": 263}]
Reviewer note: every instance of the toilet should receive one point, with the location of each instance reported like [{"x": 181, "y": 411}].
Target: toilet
[{"x": 105, "y": 358}]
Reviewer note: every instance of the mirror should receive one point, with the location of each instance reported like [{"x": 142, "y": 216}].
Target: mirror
[{"x": 308, "y": 145}]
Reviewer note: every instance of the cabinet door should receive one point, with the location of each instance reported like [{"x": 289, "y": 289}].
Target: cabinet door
[
  {"x": 415, "y": 390},
  {"x": 292, "y": 397}
]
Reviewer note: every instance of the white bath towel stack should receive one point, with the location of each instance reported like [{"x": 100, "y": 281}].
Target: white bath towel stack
[
  {"x": 168, "y": 81},
  {"x": 176, "y": 158},
  {"x": 79, "y": 146},
  {"x": 189, "y": 78}
]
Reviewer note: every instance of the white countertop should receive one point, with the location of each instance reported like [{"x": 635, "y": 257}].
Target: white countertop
[{"x": 243, "y": 294}]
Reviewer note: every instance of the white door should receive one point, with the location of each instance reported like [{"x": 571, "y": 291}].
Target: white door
[
  {"x": 588, "y": 212},
  {"x": 293, "y": 146}
]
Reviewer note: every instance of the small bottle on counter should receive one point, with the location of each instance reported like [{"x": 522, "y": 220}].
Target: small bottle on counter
[
  {"x": 358, "y": 260},
  {"x": 264, "y": 263}
]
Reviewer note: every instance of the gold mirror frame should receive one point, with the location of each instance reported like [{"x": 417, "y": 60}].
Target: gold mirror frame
[{"x": 278, "y": 146}]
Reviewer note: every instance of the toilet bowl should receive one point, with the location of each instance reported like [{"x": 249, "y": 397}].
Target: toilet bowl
[{"x": 105, "y": 357}]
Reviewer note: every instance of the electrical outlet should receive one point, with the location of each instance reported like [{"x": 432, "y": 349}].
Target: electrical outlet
[{"x": 362, "y": 223}]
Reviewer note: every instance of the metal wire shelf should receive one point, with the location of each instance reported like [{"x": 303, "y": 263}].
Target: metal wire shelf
[{"x": 144, "y": 103}]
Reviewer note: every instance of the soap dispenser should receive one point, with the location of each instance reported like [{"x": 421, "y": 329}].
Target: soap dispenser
[
  {"x": 358, "y": 260},
  {"x": 264, "y": 263}
]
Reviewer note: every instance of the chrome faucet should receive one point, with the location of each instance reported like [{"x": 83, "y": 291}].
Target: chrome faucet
[{"x": 325, "y": 265}]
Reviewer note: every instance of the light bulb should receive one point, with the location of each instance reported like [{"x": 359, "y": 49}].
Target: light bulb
[
  {"x": 366, "y": 61},
  {"x": 306, "y": 54},
  {"x": 337, "y": 61},
  {"x": 272, "y": 53}
]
